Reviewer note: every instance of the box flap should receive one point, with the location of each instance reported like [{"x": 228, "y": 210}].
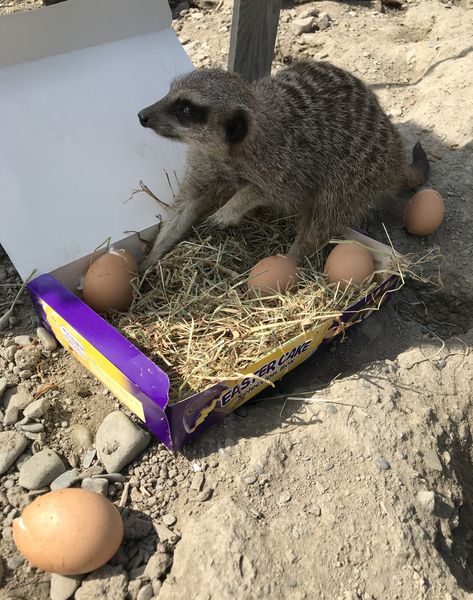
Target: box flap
[
  {"x": 72, "y": 148},
  {"x": 77, "y": 24}
]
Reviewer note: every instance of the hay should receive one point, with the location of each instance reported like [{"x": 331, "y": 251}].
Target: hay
[{"x": 193, "y": 315}]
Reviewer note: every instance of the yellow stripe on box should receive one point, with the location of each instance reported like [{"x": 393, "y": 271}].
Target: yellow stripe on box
[{"x": 93, "y": 360}]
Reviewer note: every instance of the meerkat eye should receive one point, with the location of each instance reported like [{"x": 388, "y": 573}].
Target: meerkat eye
[{"x": 186, "y": 109}]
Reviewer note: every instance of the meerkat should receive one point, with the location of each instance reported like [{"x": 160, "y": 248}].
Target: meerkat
[{"x": 312, "y": 142}]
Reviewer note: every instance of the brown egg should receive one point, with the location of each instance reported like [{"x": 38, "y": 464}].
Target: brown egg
[
  {"x": 424, "y": 212},
  {"x": 107, "y": 282},
  {"x": 69, "y": 531},
  {"x": 349, "y": 262},
  {"x": 273, "y": 274}
]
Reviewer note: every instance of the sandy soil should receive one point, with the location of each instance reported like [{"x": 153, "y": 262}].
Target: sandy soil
[{"x": 367, "y": 491}]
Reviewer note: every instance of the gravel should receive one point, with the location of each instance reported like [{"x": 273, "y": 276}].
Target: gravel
[
  {"x": 432, "y": 461},
  {"x": 169, "y": 520},
  {"x": 21, "y": 398},
  {"x": 28, "y": 358},
  {"x": 15, "y": 561},
  {"x": 119, "y": 441},
  {"x": 12, "y": 444},
  {"x": 41, "y": 470}
]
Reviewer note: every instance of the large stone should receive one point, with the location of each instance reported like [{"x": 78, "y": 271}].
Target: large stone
[
  {"x": 41, "y": 470},
  {"x": 119, "y": 441},
  {"x": 107, "y": 582},
  {"x": 62, "y": 587},
  {"x": 12, "y": 444}
]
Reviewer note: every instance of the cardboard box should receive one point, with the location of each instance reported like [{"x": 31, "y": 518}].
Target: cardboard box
[{"x": 75, "y": 152}]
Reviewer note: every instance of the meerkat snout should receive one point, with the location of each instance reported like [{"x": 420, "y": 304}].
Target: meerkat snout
[{"x": 143, "y": 116}]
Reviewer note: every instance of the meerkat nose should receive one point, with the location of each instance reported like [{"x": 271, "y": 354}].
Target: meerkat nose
[{"x": 144, "y": 118}]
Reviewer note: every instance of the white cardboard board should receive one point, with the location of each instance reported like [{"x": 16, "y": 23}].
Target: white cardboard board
[{"x": 71, "y": 147}]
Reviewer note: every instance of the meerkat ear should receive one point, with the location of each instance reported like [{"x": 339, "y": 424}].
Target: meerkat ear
[{"x": 236, "y": 126}]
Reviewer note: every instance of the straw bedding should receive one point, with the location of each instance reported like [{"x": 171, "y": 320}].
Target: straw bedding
[{"x": 193, "y": 315}]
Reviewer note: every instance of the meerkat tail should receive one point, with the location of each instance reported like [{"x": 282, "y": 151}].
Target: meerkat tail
[{"x": 418, "y": 170}]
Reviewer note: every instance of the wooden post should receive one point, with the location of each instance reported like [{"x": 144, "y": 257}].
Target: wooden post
[{"x": 253, "y": 36}]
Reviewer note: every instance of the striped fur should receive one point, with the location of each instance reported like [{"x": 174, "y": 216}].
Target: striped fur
[{"x": 311, "y": 142}]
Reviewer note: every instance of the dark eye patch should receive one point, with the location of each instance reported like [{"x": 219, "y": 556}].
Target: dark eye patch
[{"x": 188, "y": 112}]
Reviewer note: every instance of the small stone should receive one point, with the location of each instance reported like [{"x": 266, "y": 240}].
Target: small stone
[
  {"x": 197, "y": 482},
  {"x": 11, "y": 416},
  {"x": 111, "y": 477},
  {"x": 136, "y": 527},
  {"x": 328, "y": 466},
  {"x": 41, "y": 470},
  {"x": 22, "y": 340},
  {"x": 17, "y": 497},
  {"x": 426, "y": 499},
  {"x": 324, "y": 21},
  {"x": 119, "y": 441},
  {"x": 21, "y": 398},
  {"x": 98, "y": 485},
  {"x": 146, "y": 592},
  {"x": 89, "y": 458},
  {"x": 2, "y": 570},
  {"x": 9, "y": 353},
  {"x": 33, "y": 427},
  {"x": 331, "y": 409},
  {"x": 169, "y": 520},
  {"x": 25, "y": 374},
  {"x": 309, "y": 12},
  {"x": 205, "y": 495},
  {"x": 156, "y": 583},
  {"x": 107, "y": 582},
  {"x": 284, "y": 498},
  {"x": 37, "y": 409},
  {"x": 82, "y": 436},
  {"x": 15, "y": 561},
  {"x": 432, "y": 461},
  {"x": 165, "y": 534},
  {"x": 382, "y": 464},
  {"x": 3, "y": 386},
  {"x": 47, "y": 340},
  {"x": 62, "y": 587},
  {"x": 65, "y": 480},
  {"x": 303, "y": 25},
  {"x": 250, "y": 479},
  {"x": 28, "y": 358},
  {"x": 314, "y": 509},
  {"x": 12, "y": 444},
  {"x": 157, "y": 566}
]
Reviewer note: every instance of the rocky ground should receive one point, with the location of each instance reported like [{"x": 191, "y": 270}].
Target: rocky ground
[{"x": 365, "y": 491}]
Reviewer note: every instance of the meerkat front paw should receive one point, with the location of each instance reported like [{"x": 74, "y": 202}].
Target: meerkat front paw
[{"x": 222, "y": 219}]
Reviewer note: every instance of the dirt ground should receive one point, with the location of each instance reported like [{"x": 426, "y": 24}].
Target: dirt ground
[{"x": 365, "y": 492}]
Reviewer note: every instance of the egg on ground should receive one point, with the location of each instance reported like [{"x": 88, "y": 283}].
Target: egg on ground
[
  {"x": 107, "y": 282},
  {"x": 424, "y": 212},
  {"x": 70, "y": 531},
  {"x": 273, "y": 275},
  {"x": 349, "y": 262}
]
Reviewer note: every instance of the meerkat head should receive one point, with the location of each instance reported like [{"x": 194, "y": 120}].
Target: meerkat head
[{"x": 207, "y": 106}]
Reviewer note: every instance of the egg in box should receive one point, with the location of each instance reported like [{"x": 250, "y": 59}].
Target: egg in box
[{"x": 107, "y": 284}]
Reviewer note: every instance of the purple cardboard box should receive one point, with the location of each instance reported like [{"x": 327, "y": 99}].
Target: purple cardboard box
[{"x": 143, "y": 387}]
